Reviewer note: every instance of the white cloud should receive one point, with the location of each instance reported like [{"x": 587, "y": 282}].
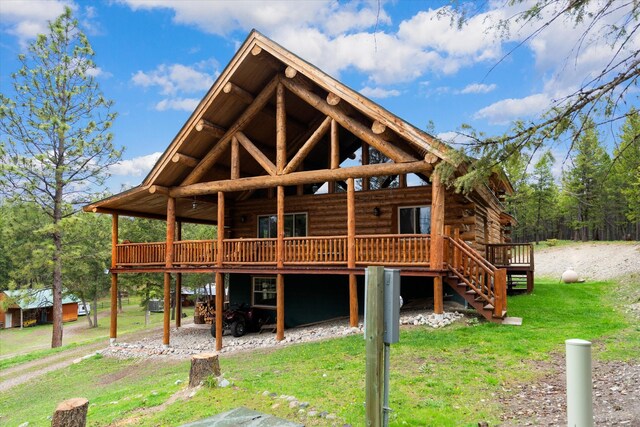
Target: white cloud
[
  {"x": 184, "y": 104},
  {"x": 378, "y": 92},
  {"x": 453, "y": 138},
  {"x": 478, "y": 88},
  {"x": 25, "y": 19},
  {"x": 506, "y": 110},
  {"x": 98, "y": 72},
  {"x": 137, "y": 166},
  {"x": 175, "y": 78},
  {"x": 339, "y": 36}
]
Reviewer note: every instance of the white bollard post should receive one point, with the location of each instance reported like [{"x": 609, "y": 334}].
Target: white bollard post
[{"x": 579, "y": 384}]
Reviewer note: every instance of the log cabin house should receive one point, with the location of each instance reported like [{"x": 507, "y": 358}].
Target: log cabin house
[{"x": 278, "y": 155}]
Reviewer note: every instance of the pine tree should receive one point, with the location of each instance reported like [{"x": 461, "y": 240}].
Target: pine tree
[{"x": 55, "y": 127}]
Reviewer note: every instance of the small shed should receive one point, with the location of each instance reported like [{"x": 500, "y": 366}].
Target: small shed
[{"x": 27, "y": 307}]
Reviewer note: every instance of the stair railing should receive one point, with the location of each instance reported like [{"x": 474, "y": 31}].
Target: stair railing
[{"x": 469, "y": 266}]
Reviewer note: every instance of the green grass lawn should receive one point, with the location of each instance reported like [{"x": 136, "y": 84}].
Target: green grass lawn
[
  {"x": 445, "y": 377},
  {"x": 24, "y": 343}
]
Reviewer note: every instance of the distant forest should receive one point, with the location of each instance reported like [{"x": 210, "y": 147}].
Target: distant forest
[{"x": 597, "y": 196}]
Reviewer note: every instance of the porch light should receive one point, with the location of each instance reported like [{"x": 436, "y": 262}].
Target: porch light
[
  {"x": 194, "y": 204},
  {"x": 376, "y": 211}
]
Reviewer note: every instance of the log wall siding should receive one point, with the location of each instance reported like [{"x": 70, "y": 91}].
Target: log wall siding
[{"x": 327, "y": 213}]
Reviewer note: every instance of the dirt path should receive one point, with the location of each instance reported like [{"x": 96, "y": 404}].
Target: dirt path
[
  {"x": 592, "y": 261},
  {"x": 25, "y": 372}
]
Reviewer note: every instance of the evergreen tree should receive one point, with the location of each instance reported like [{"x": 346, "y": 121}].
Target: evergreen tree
[
  {"x": 544, "y": 194},
  {"x": 626, "y": 172},
  {"x": 55, "y": 128},
  {"x": 585, "y": 183}
]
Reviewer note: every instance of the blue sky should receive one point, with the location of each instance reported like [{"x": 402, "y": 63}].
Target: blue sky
[{"x": 157, "y": 58}]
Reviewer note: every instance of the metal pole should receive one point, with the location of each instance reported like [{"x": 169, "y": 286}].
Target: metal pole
[
  {"x": 385, "y": 405},
  {"x": 579, "y": 384}
]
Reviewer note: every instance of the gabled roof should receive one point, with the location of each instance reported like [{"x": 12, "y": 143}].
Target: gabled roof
[
  {"x": 28, "y": 299},
  {"x": 241, "y": 103}
]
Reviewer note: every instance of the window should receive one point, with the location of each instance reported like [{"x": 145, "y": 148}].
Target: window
[
  {"x": 263, "y": 292},
  {"x": 295, "y": 225},
  {"x": 415, "y": 220}
]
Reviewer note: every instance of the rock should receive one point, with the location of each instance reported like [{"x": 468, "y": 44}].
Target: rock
[
  {"x": 312, "y": 413},
  {"x": 275, "y": 406},
  {"x": 178, "y": 382},
  {"x": 304, "y": 404},
  {"x": 223, "y": 382},
  {"x": 294, "y": 404}
]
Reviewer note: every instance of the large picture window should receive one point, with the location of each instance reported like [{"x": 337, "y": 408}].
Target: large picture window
[
  {"x": 414, "y": 220},
  {"x": 295, "y": 225},
  {"x": 263, "y": 292}
]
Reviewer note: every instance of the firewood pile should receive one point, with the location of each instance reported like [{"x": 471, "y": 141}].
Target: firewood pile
[{"x": 204, "y": 313}]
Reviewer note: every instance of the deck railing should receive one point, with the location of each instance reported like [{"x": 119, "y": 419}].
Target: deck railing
[
  {"x": 385, "y": 249},
  {"x": 510, "y": 254},
  {"x": 194, "y": 252},
  {"x": 140, "y": 254},
  {"x": 249, "y": 251},
  {"x": 487, "y": 282},
  {"x": 393, "y": 249},
  {"x": 315, "y": 250}
]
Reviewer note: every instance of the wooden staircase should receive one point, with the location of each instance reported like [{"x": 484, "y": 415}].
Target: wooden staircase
[{"x": 474, "y": 278}]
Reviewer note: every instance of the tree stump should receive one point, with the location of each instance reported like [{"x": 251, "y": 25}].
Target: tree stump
[
  {"x": 71, "y": 413},
  {"x": 202, "y": 366}
]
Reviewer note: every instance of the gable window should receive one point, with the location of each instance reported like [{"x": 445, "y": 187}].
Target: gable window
[
  {"x": 295, "y": 225},
  {"x": 263, "y": 292},
  {"x": 414, "y": 220}
]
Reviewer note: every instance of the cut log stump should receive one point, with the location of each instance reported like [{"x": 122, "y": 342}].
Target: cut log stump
[
  {"x": 71, "y": 413},
  {"x": 203, "y": 366}
]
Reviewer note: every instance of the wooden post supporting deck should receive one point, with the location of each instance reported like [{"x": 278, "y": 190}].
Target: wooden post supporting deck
[
  {"x": 351, "y": 252},
  {"x": 437, "y": 241},
  {"x": 178, "y": 296},
  {"x": 113, "y": 329},
  {"x": 280, "y": 264},
  {"x": 220, "y": 276},
  {"x": 171, "y": 234}
]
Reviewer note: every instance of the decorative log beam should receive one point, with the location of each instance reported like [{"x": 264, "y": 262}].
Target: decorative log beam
[
  {"x": 148, "y": 215},
  {"x": 242, "y": 94},
  {"x": 378, "y": 128},
  {"x": 192, "y": 162},
  {"x": 335, "y": 145},
  {"x": 358, "y": 129},
  {"x": 290, "y": 72},
  {"x": 235, "y": 158},
  {"x": 256, "y": 153},
  {"x": 334, "y": 152},
  {"x": 308, "y": 146},
  {"x": 365, "y": 161},
  {"x": 296, "y": 178},
  {"x": 212, "y": 157},
  {"x": 281, "y": 130},
  {"x": 158, "y": 189},
  {"x": 212, "y": 129},
  {"x": 332, "y": 98},
  {"x": 266, "y": 59}
]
